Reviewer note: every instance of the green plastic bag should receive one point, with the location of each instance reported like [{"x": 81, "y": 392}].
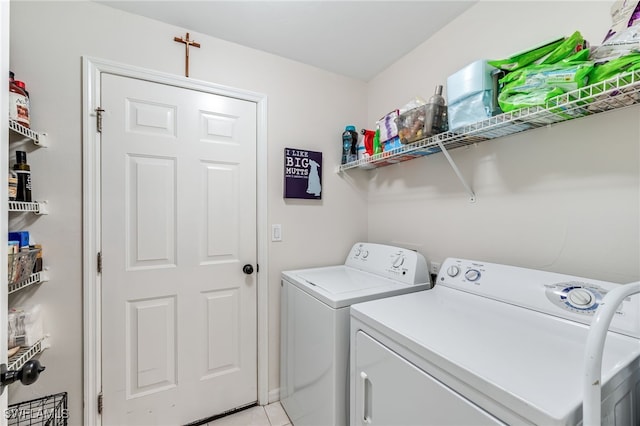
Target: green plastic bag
[
  {"x": 567, "y": 76},
  {"x": 514, "y": 100},
  {"x": 582, "y": 55},
  {"x": 612, "y": 68},
  {"x": 565, "y": 49},
  {"x": 523, "y": 59},
  {"x": 534, "y": 85}
]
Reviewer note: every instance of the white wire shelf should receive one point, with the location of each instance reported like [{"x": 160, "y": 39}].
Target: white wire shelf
[
  {"x": 618, "y": 92},
  {"x": 37, "y": 207},
  {"x": 35, "y": 278},
  {"x": 39, "y": 139},
  {"x": 25, "y": 354}
]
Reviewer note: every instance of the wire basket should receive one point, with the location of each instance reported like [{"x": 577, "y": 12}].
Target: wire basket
[
  {"x": 20, "y": 265},
  {"x": 49, "y": 410}
]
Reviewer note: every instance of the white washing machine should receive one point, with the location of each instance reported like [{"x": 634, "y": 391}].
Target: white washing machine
[
  {"x": 314, "y": 348},
  {"x": 491, "y": 345}
]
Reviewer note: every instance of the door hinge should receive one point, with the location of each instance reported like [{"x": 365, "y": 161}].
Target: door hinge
[
  {"x": 100, "y": 403},
  {"x": 99, "y": 112},
  {"x": 99, "y": 262}
]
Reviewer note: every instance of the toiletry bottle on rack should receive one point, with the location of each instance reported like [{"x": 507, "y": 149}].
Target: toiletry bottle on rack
[
  {"x": 18, "y": 102},
  {"x": 13, "y": 185},
  {"x": 23, "y": 170},
  {"x": 436, "y": 116},
  {"x": 23, "y": 86},
  {"x": 349, "y": 144}
]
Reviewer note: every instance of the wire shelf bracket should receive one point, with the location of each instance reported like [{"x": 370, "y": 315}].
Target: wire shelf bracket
[{"x": 472, "y": 195}]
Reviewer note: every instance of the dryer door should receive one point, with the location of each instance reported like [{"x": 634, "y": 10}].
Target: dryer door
[{"x": 391, "y": 391}]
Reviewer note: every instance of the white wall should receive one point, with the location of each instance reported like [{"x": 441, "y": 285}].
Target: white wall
[
  {"x": 564, "y": 198},
  {"x": 308, "y": 109}
]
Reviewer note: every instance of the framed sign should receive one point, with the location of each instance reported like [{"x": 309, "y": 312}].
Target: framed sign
[{"x": 302, "y": 174}]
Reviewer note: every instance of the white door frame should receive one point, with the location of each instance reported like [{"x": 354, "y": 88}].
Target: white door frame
[{"x": 92, "y": 68}]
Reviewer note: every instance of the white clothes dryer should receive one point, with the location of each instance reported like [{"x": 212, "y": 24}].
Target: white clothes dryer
[
  {"x": 491, "y": 344},
  {"x": 314, "y": 349}
]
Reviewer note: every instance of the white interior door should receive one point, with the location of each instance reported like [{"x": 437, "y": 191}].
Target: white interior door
[{"x": 178, "y": 223}]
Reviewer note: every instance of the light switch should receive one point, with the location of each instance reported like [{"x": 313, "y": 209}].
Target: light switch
[{"x": 276, "y": 232}]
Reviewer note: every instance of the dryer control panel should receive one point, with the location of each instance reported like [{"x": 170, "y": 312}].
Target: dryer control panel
[
  {"x": 565, "y": 296},
  {"x": 576, "y": 296},
  {"x": 400, "y": 264}
]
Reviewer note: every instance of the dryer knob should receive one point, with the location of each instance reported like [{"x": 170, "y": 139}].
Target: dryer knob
[
  {"x": 580, "y": 297},
  {"x": 453, "y": 271},
  {"x": 398, "y": 262},
  {"x": 472, "y": 275}
]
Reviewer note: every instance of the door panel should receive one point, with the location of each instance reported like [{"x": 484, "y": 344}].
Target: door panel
[
  {"x": 148, "y": 119},
  {"x": 221, "y": 219},
  {"x": 150, "y": 209},
  {"x": 150, "y": 350},
  {"x": 223, "y": 346},
  {"x": 178, "y": 223}
]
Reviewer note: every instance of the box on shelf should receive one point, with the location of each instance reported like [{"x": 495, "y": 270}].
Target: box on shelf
[
  {"x": 22, "y": 237},
  {"x": 472, "y": 94},
  {"x": 387, "y": 126},
  {"x": 425, "y": 120},
  {"x": 391, "y": 144},
  {"x": 411, "y": 124},
  {"x": 21, "y": 264},
  {"x": 25, "y": 326}
]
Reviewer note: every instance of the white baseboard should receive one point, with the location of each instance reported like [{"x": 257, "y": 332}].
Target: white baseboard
[{"x": 274, "y": 395}]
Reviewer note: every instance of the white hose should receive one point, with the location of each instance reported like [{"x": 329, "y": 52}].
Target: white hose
[{"x": 591, "y": 407}]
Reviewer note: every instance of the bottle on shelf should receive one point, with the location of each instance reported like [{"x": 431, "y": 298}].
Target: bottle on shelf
[
  {"x": 23, "y": 86},
  {"x": 436, "y": 117},
  {"x": 18, "y": 101},
  {"x": 13, "y": 185},
  {"x": 23, "y": 170},
  {"x": 349, "y": 144}
]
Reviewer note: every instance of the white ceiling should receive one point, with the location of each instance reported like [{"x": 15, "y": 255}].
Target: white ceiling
[{"x": 354, "y": 38}]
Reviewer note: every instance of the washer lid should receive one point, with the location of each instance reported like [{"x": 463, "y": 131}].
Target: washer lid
[
  {"x": 340, "y": 286},
  {"x": 525, "y": 361}
]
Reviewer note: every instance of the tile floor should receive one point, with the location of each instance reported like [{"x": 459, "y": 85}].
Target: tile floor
[{"x": 268, "y": 415}]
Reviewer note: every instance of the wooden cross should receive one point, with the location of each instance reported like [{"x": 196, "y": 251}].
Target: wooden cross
[{"x": 187, "y": 43}]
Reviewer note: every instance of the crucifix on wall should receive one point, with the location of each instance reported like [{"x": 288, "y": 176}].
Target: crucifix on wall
[{"x": 187, "y": 43}]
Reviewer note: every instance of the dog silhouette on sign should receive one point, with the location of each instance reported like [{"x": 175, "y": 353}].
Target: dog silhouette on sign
[{"x": 313, "y": 184}]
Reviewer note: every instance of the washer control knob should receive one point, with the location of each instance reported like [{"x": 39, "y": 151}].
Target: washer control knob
[
  {"x": 398, "y": 262},
  {"x": 580, "y": 297},
  {"x": 365, "y": 254},
  {"x": 472, "y": 275},
  {"x": 357, "y": 252},
  {"x": 453, "y": 271}
]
